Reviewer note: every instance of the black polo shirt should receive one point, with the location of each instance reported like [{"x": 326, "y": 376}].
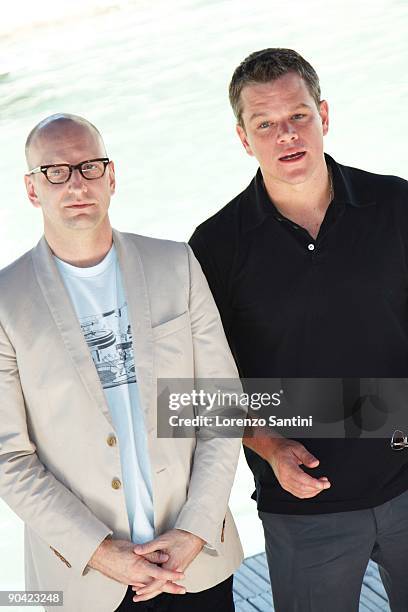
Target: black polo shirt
[{"x": 336, "y": 306}]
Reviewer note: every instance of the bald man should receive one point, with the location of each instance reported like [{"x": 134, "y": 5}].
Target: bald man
[{"x": 115, "y": 517}]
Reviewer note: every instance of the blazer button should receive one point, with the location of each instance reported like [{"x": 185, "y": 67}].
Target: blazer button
[
  {"x": 111, "y": 440},
  {"x": 116, "y": 484}
]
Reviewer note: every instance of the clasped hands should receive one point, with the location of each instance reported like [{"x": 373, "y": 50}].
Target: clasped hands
[
  {"x": 180, "y": 548},
  {"x": 151, "y": 568}
]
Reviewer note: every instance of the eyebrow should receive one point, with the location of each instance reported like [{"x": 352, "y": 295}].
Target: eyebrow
[{"x": 263, "y": 114}]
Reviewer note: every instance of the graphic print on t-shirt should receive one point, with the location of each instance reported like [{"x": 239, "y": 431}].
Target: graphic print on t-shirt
[{"x": 109, "y": 338}]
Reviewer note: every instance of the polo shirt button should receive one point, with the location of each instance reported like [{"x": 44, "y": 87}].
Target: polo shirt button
[
  {"x": 116, "y": 484},
  {"x": 311, "y": 247}
]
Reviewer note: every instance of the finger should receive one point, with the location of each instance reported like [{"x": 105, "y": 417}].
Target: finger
[
  {"x": 166, "y": 587},
  {"x": 304, "y": 490},
  {"x": 309, "y": 481},
  {"x": 176, "y": 589},
  {"x": 306, "y": 486},
  {"x": 294, "y": 473},
  {"x": 302, "y": 495},
  {"x": 146, "y": 597},
  {"x": 170, "y": 564},
  {"x": 326, "y": 482},
  {"x": 148, "y": 547},
  {"x": 151, "y": 587},
  {"x": 301, "y": 487},
  {"x": 304, "y": 456},
  {"x": 298, "y": 492},
  {"x": 165, "y": 574},
  {"x": 156, "y": 557},
  {"x": 298, "y": 478}
]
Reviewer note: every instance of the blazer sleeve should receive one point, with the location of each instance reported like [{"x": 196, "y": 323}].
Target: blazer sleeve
[
  {"x": 215, "y": 458},
  {"x": 30, "y": 490},
  {"x": 218, "y": 280}
]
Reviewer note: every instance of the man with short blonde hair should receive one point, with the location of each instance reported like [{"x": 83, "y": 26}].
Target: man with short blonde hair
[{"x": 308, "y": 269}]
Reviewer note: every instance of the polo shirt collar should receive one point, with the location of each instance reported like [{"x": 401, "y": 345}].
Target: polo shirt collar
[{"x": 258, "y": 205}]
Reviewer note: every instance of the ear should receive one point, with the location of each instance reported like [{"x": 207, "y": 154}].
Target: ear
[
  {"x": 243, "y": 138},
  {"x": 324, "y": 114},
  {"x": 112, "y": 179},
  {"x": 31, "y": 190}
]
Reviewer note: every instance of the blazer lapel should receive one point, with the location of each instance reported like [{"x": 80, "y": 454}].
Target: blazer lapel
[
  {"x": 67, "y": 322},
  {"x": 131, "y": 267}
]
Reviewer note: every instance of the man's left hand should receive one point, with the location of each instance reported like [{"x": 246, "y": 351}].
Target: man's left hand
[{"x": 182, "y": 548}]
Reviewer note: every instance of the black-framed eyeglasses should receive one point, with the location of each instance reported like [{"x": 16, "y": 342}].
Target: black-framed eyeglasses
[
  {"x": 61, "y": 173},
  {"x": 399, "y": 440}
]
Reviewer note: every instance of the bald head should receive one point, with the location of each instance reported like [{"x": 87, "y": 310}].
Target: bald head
[{"x": 58, "y": 126}]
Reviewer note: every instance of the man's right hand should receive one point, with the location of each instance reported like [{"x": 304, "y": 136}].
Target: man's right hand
[
  {"x": 285, "y": 458},
  {"x": 116, "y": 559}
]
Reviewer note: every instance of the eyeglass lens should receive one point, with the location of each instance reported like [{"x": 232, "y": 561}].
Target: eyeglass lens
[{"x": 89, "y": 170}]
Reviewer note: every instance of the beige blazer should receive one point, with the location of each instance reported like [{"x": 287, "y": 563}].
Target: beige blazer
[{"x": 58, "y": 465}]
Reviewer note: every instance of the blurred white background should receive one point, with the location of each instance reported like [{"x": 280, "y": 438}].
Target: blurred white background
[{"x": 153, "y": 77}]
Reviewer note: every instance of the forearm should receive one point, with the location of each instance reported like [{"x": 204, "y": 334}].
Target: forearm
[
  {"x": 215, "y": 457},
  {"x": 212, "y": 477},
  {"x": 50, "y": 509},
  {"x": 261, "y": 441}
]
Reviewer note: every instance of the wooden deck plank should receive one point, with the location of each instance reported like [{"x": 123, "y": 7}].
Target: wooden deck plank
[
  {"x": 373, "y": 581},
  {"x": 246, "y": 587},
  {"x": 374, "y": 590},
  {"x": 245, "y": 606},
  {"x": 261, "y": 604},
  {"x": 372, "y": 605},
  {"x": 267, "y": 596},
  {"x": 363, "y": 607},
  {"x": 260, "y": 582},
  {"x": 258, "y": 564}
]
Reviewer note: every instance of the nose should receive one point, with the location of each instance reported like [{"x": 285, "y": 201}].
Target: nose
[
  {"x": 77, "y": 181},
  {"x": 286, "y": 133}
]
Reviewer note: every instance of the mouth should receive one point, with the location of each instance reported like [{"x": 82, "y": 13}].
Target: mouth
[
  {"x": 292, "y": 157},
  {"x": 80, "y": 205}
]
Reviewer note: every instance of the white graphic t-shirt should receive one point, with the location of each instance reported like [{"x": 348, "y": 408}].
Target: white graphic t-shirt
[{"x": 99, "y": 300}]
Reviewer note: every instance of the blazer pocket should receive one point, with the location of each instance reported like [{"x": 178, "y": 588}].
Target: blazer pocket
[{"x": 169, "y": 327}]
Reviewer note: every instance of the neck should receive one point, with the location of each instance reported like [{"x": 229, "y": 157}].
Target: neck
[
  {"x": 82, "y": 249},
  {"x": 311, "y": 196}
]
